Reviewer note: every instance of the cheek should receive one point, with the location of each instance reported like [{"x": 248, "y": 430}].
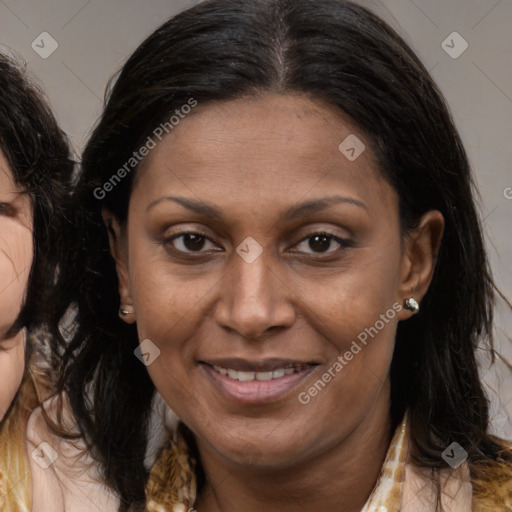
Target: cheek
[
  {"x": 15, "y": 263},
  {"x": 357, "y": 313},
  {"x": 12, "y": 365},
  {"x": 166, "y": 305},
  {"x": 347, "y": 303},
  {"x": 169, "y": 312}
]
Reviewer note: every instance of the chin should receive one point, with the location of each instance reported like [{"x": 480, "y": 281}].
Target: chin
[{"x": 267, "y": 451}]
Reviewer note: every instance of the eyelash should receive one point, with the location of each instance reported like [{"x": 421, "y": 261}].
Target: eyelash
[{"x": 344, "y": 244}]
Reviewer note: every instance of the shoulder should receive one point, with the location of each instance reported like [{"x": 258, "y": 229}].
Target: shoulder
[
  {"x": 65, "y": 477},
  {"x": 492, "y": 482},
  {"x": 421, "y": 489},
  {"x": 475, "y": 487}
]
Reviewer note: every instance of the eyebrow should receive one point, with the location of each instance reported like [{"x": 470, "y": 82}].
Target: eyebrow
[{"x": 302, "y": 209}]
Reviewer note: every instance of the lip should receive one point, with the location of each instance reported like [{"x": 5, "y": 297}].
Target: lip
[{"x": 256, "y": 392}]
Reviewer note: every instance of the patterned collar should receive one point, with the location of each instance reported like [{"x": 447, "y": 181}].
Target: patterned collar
[{"x": 387, "y": 493}]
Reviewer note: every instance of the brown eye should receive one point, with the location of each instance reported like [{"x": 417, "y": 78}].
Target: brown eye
[
  {"x": 189, "y": 242},
  {"x": 320, "y": 243},
  {"x": 7, "y": 209},
  {"x": 193, "y": 241}
]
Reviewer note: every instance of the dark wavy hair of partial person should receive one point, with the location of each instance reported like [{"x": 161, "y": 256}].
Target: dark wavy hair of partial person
[
  {"x": 341, "y": 53},
  {"x": 38, "y": 154}
]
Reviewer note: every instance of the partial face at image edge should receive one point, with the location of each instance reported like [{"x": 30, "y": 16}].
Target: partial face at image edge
[{"x": 15, "y": 263}]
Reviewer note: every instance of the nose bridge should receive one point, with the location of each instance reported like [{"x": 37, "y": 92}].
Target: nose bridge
[
  {"x": 252, "y": 278},
  {"x": 253, "y": 298}
]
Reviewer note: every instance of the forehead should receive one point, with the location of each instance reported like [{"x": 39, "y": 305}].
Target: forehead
[{"x": 279, "y": 147}]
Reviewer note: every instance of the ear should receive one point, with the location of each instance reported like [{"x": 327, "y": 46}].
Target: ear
[
  {"x": 119, "y": 252},
  {"x": 421, "y": 249}
]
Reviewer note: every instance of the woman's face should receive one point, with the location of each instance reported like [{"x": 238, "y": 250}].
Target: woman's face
[
  {"x": 15, "y": 263},
  {"x": 295, "y": 253}
]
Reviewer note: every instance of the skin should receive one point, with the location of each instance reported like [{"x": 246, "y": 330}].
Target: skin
[
  {"x": 253, "y": 159},
  {"x": 15, "y": 262},
  {"x": 73, "y": 482}
]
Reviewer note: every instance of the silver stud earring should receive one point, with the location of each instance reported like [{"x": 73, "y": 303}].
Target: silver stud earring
[
  {"x": 411, "y": 304},
  {"x": 126, "y": 310}
]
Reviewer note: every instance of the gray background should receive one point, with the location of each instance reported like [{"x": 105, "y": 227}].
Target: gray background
[{"x": 94, "y": 37}]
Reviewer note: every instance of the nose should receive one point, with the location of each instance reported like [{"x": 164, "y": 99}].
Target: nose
[{"x": 254, "y": 300}]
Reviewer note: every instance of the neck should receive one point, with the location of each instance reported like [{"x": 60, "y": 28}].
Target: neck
[{"x": 341, "y": 478}]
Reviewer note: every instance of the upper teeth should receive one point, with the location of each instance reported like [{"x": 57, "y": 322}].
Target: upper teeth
[{"x": 248, "y": 376}]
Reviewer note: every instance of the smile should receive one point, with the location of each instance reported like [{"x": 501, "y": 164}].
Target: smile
[{"x": 252, "y": 383}]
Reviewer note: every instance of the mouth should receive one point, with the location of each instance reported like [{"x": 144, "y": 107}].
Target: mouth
[{"x": 252, "y": 382}]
